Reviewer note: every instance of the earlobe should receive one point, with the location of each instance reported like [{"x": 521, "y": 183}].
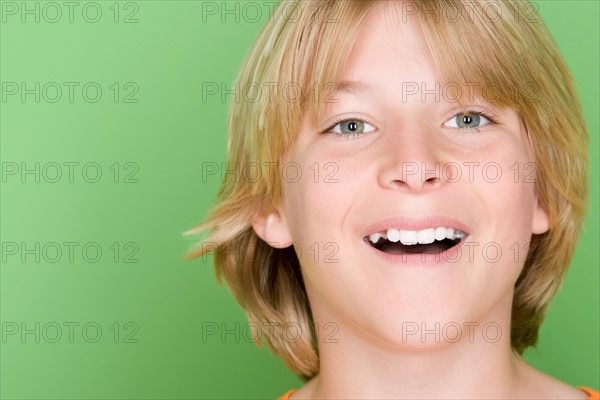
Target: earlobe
[
  {"x": 273, "y": 229},
  {"x": 541, "y": 221}
]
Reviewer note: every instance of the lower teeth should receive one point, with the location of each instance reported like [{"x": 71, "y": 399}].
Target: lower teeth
[{"x": 432, "y": 248}]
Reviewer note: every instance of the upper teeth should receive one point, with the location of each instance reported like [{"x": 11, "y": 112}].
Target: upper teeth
[{"x": 424, "y": 236}]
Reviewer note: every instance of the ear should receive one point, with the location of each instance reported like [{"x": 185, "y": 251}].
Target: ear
[
  {"x": 273, "y": 229},
  {"x": 541, "y": 221}
]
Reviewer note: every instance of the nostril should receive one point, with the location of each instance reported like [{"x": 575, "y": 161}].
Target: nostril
[
  {"x": 416, "y": 180},
  {"x": 398, "y": 183}
]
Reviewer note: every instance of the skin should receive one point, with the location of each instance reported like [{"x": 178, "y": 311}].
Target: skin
[{"x": 370, "y": 302}]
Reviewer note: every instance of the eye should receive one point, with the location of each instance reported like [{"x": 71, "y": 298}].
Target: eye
[
  {"x": 350, "y": 127},
  {"x": 470, "y": 120}
]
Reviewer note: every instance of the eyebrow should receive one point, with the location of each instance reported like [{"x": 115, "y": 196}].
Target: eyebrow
[{"x": 353, "y": 86}]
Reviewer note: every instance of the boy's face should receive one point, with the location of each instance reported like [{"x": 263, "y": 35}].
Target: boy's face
[{"x": 412, "y": 169}]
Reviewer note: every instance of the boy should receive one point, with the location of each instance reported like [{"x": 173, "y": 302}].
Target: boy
[{"x": 429, "y": 192}]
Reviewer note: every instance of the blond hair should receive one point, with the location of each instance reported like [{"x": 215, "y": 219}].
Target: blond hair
[{"x": 306, "y": 43}]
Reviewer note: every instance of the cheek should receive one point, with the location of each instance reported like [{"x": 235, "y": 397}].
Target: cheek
[
  {"x": 312, "y": 182},
  {"x": 313, "y": 205},
  {"x": 507, "y": 190},
  {"x": 319, "y": 206}
]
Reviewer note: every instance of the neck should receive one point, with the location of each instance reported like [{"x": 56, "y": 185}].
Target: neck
[{"x": 478, "y": 365}]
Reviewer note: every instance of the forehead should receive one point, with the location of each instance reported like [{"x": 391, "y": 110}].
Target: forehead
[
  {"x": 389, "y": 33},
  {"x": 389, "y": 53},
  {"x": 389, "y": 59}
]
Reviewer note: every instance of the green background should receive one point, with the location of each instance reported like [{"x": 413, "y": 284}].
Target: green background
[{"x": 165, "y": 131}]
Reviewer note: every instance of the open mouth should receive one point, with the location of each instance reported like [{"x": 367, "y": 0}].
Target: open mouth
[{"x": 428, "y": 241}]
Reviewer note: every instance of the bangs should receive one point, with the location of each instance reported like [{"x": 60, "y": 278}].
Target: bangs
[
  {"x": 477, "y": 47},
  {"x": 474, "y": 45}
]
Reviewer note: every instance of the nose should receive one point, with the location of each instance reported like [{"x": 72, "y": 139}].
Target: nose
[
  {"x": 413, "y": 163},
  {"x": 416, "y": 176}
]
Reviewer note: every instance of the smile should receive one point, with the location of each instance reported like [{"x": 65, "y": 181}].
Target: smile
[{"x": 432, "y": 240}]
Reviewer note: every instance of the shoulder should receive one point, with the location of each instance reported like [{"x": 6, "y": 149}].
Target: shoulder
[
  {"x": 287, "y": 395},
  {"x": 593, "y": 394},
  {"x": 543, "y": 386},
  {"x": 305, "y": 392}
]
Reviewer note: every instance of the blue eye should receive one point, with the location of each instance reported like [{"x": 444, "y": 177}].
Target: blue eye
[
  {"x": 470, "y": 120},
  {"x": 349, "y": 127}
]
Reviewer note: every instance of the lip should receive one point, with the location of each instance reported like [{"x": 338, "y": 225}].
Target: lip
[
  {"x": 416, "y": 224},
  {"x": 450, "y": 256}
]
